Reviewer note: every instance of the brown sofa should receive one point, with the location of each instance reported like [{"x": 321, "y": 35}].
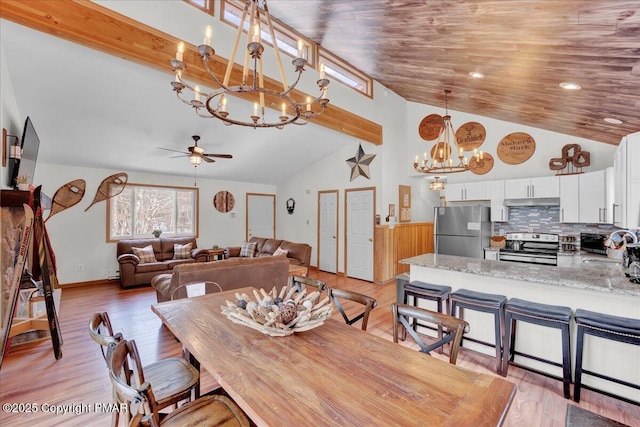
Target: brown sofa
[
  {"x": 299, "y": 253},
  {"x": 133, "y": 272},
  {"x": 229, "y": 274}
]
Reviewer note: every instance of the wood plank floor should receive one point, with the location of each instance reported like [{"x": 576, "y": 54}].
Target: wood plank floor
[{"x": 30, "y": 374}]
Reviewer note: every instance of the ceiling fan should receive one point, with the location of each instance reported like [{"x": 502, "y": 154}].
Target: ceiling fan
[{"x": 196, "y": 154}]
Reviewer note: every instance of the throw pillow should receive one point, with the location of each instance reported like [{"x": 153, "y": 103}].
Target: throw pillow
[
  {"x": 248, "y": 250},
  {"x": 281, "y": 251},
  {"x": 145, "y": 254},
  {"x": 182, "y": 251}
]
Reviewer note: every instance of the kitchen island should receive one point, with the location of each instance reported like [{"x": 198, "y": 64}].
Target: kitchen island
[{"x": 595, "y": 286}]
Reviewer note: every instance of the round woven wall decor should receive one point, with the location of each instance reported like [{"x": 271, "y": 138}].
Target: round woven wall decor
[
  {"x": 470, "y": 136},
  {"x": 430, "y": 127},
  {"x": 224, "y": 201},
  {"x": 516, "y": 148}
]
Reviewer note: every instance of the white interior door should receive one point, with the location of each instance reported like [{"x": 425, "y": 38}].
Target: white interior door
[
  {"x": 261, "y": 215},
  {"x": 359, "y": 233},
  {"x": 328, "y": 231}
]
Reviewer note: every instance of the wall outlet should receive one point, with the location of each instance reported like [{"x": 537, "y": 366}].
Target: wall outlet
[{"x": 80, "y": 267}]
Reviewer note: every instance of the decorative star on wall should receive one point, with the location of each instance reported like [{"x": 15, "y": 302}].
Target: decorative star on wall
[{"x": 360, "y": 164}]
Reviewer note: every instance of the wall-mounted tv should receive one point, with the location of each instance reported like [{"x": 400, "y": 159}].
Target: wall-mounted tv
[{"x": 26, "y": 165}]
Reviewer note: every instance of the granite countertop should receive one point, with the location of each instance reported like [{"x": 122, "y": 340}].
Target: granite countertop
[{"x": 601, "y": 276}]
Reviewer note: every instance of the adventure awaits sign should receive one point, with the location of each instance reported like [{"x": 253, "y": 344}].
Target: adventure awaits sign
[{"x": 516, "y": 148}]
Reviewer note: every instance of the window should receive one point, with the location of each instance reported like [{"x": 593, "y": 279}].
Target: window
[
  {"x": 287, "y": 37},
  {"x": 206, "y": 5},
  {"x": 140, "y": 209},
  {"x": 343, "y": 72}
]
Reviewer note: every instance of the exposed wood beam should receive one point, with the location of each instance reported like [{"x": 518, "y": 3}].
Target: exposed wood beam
[{"x": 99, "y": 28}]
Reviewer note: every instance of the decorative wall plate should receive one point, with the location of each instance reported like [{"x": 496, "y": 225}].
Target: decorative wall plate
[
  {"x": 430, "y": 127},
  {"x": 481, "y": 166},
  {"x": 470, "y": 135},
  {"x": 224, "y": 201},
  {"x": 516, "y": 148},
  {"x": 440, "y": 151}
]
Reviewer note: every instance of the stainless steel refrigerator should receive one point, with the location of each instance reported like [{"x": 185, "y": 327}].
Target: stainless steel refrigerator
[{"x": 462, "y": 230}]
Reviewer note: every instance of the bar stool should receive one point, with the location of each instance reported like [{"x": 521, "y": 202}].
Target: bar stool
[
  {"x": 551, "y": 316},
  {"x": 421, "y": 290},
  {"x": 487, "y": 303},
  {"x": 621, "y": 329}
]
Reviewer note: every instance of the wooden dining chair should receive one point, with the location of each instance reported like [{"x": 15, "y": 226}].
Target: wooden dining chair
[
  {"x": 128, "y": 380},
  {"x": 301, "y": 282},
  {"x": 173, "y": 379},
  {"x": 342, "y": 294},
  {"x": 453, "y": 328}
]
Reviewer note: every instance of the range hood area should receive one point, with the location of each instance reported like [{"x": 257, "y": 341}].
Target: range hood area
[{"x": 537, "y": 201}]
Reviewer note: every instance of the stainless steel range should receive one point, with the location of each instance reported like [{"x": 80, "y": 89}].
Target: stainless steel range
[{"x": 532, "y": 248}]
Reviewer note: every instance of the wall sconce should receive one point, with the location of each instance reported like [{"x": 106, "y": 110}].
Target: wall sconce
[
  {"x": 15, "y": 151},
  {"x": 291, "y": 205}
]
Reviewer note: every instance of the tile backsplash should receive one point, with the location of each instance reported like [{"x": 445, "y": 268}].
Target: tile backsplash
[{"x": 544, "y": 219}]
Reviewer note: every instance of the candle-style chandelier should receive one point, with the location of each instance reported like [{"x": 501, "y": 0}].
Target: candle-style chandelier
[
  {"x": 214, "y": 104},
  {"x": 441, "y": 159}
]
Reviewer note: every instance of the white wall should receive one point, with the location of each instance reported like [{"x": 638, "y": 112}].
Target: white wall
[
  {"x": 10, "y": 118},
  {"x": 79, "y": 237},
  {"x": 548, "y": 146}
]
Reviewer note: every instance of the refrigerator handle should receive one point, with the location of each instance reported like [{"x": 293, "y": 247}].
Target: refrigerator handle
[{"x": 435, "y": 231}]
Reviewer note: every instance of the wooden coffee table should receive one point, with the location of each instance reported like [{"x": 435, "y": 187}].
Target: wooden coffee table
[{"x": 298, "y": 270}]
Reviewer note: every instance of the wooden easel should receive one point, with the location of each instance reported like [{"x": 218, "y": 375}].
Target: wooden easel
[{"x": 40, "y": 247}]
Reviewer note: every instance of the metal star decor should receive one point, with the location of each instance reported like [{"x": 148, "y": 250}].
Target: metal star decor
[{"x": 360, "y": 164}]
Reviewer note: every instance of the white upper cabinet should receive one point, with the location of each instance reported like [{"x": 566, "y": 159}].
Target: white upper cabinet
[
  {"x": 626, "y": 193},
  {"x": 466, "y": 191},
  {"x": 569, "y": 198},
  {"x": 593, "y": 207},
  {"x": 496, "y": 195},
  {"x": 529, "y": 188},
  {"x": 632, "y": 204},
  {"x": 619, "y": 207}
]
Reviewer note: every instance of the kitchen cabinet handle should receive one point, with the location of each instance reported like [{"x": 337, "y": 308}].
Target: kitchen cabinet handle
[
  {"x": 562, "y": 213},
  {"x": 533, "y": 191},
  {"x": 528, "y": 191},
  {"x": 613, "y": 213},
  {"x": 604, "y": 214},
  {"x": 599, "y": 214}
]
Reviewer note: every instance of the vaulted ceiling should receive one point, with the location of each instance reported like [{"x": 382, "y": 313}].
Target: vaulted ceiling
[
  {"x": 525, "y": 49},
  {"x": 415, "y": 48}
]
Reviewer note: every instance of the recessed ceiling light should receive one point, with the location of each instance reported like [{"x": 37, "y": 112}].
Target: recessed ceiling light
[
  {"x": 613, "y": 121},
  {"x": 570, "y": 86},
  {"x": 476, "y": 75}
]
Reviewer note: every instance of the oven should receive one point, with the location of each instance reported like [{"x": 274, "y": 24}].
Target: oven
[{"x": 531, "y": 248}]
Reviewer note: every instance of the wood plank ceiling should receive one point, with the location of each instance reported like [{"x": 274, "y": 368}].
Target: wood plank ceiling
[{"x": 524, "y": 48}]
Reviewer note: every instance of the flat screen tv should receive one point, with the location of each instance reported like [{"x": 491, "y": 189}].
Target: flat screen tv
[{"x": 26, "y": 165}]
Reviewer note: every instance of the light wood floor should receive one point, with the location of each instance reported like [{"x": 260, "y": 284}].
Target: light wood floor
[{"x": 30, "y": 374}]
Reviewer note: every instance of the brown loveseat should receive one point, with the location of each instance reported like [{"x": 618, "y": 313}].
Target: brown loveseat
[
  {"x": 133, "y": 272},
  {"x": 298, "y": 253},
  {"x": 229, "y": 274}
]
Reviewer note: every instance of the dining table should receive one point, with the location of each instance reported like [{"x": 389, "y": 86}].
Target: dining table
[{"x": 332, "y": 375}]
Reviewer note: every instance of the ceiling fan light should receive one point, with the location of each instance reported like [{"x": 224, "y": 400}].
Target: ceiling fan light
[{"x": 195, "y": 160}]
